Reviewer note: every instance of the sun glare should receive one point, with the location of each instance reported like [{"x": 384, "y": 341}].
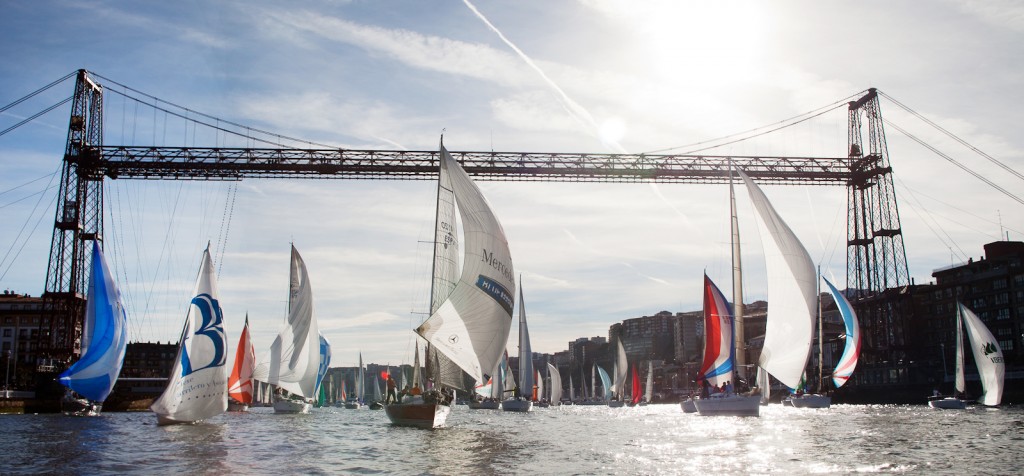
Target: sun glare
[
  {"x": 702, "y": 44},
  {"x": 613, "y": 130}
]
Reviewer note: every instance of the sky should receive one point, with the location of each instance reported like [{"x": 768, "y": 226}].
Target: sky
[{"x": 597, "y": 76}]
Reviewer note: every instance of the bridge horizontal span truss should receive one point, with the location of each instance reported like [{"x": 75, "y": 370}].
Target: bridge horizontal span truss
[{"x": 197, "y": 163}]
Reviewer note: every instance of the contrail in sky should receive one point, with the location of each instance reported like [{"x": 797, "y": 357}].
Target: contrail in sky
[{"x": 574, "y": 109}]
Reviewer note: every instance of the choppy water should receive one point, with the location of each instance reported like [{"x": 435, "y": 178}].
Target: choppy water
[{"x": 656, "y": 439}]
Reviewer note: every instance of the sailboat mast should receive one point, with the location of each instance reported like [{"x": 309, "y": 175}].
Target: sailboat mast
[
  {"x": 821, "y": 343},
  {"x": 737, "y": 284}
]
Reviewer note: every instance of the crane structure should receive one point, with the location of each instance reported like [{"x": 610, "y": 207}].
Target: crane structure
[{"x": 876, "y": 259}]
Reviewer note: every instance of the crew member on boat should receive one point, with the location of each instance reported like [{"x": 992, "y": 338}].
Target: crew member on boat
[{"x": 392, "y": 396}]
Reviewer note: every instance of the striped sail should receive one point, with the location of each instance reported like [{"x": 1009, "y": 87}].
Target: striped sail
[
  {"x": 605, "y": 382},
  {"x": 240, "y": 381},
  {"x": 325, "y": 360},
  {"x": 848, "y": 362},
  {"x": 104, "y": 336},
  {"x": 718, "y": 361},
  {"x": 471, "y": 325},
  {"x": 987, "y": 355},
  {"x": 792, "y": 293},
  {"x": 197, "y": 387}
]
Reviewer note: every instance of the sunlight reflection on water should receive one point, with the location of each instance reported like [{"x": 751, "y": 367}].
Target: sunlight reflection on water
[{"x": 656, "y": 439}]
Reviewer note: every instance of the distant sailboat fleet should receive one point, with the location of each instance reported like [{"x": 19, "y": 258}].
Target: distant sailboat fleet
[{"x": 472, "y": 300}]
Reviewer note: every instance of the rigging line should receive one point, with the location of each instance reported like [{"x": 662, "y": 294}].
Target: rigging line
[
  {"x": 33, "y": 94},
  {"x": 36, "y": 115},
  {"x": 954, "y": 137},
  {"x": 968, "y": 212},
  {"x": 26, "y": 183},
  {"x": 948, "y": 244},
  {"x": 229, "y": 210},
  {"x": 118, "y": 245},
  {"x": 769, "y": 131},
  {"x": 824, "y": 109},
  {"x": 163, "y": 248},
  {"x": 954, "y": 162},
  {"x": 272, "y": 134},
  {"x": 27, "y": 220},
  {"x": 27, "y": 239},
  {"x": 26, "y": 197}
]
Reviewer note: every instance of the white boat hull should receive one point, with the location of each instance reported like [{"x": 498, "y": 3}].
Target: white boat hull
[
  {"x": 733, "y": 405},
  {"x": 688, "y": 406},
  {"x": 948, "y": 403},
  {"x": 811, "y": 401},
  {"x": 419, "y": 415},
  {"x": 292, "y": 406},
  {"x": 517, "y": 405}
]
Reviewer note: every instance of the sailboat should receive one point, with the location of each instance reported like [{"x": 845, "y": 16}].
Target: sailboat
[
  {"x": 538, "y": 390},
  {"x": 987, "y": 356},
  {"x": 636, "y": 387},
  {"x": 197, "y": 387},
  {"x": 792, "y": 293},
  {"x": 720, "y": 361},
  {"x": 325, "y": 364},
  {"x": 649, "y": 386},
  {"x": 522, "y": 398},
  {"x": 847, "y": 363},
  {"x": 359, "y": 402},
  {"x": 556, "y": 385},
  {"x": 240, "y": 388},
  {"x": 619, "y": 372},
  {"x": 293, "y": 363},
  {"x": 104, "y": 340},
  {"x": 471, "y": 310}
]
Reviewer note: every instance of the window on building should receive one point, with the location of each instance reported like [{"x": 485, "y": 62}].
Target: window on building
[
  {"x": 1006, "y": 345},
  {"x": 999, "y": 284},
  {"x": 1002, "y": 298},
  {"x": 8, "y": 332},
  {"x": 1003, "y": 313}
]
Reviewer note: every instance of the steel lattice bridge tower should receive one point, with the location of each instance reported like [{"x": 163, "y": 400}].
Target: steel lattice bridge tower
[{"x": 876, "y": 258}]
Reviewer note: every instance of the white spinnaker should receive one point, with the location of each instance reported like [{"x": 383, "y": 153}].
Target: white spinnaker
[
  {"x": 987, "y": 355},
  {"x": 294, "y": 357},
  {"x": 792, "y": 293},
  {"x": 556, "y": 384},
  {"x": 472, "y": 325},
  {"x": 198, "y": 385}
]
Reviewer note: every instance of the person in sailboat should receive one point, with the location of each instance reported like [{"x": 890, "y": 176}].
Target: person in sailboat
[
  {"x": 392, "y": 396},
  {"x": 416, "y": 391}
]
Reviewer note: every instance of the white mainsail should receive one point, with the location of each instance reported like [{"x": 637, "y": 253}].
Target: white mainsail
[
  {"x": 525, "y": 351},
  {"x": 294, "y": 357},
  {"x": 649, "y": 387},
  {"x": 792, "y": 293},
  {"x": 621, "y": 371},
  {"x": 197, "y": 388},
  {"x": 556, "y": 384},
  {"x": 472, "y": 322},
  {"x": 987, "y": 356}
]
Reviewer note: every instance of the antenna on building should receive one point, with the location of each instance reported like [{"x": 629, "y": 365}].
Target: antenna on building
[{"x": 1002, "y": 231}]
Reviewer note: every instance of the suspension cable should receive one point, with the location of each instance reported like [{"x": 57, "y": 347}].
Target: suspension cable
[
  {"x": 34, "y": 116},
  {"x": 792, "y": 121},
  {"x": 36, "y": 92},
  {"x": 963, "y": 167},
  {"x": 208, "y": 116},
  {"x": 953, "y": 136}
]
